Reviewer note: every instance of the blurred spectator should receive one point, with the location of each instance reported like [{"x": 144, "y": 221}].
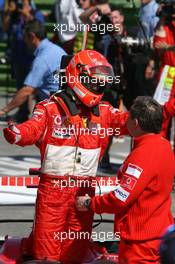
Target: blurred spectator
[
  {"x": 148, "y": 19},
  {"x": 96, "y": 18},
  {"x": 98, "y": 14},
  {"x": 112, "y": 49},
  {"x": 164, "y": 43},
  {"x": 94, "y": 10},
  {"x": 167, "y": 246},
  {"x": 40, "y": 80},
  {"x": 117, "y": 20},
  {"x": 133, "y": 63},
  {"x": 2, "y": 6},
  {"x": 71, "y": 14},
  {"x": 16, "y": 16},
  {"x": 118, "y": 54},
  {"x": 67, "y": 14}
]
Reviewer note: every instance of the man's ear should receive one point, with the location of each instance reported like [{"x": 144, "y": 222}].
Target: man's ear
[
  {"x": 122, "y": 19},
  {"x": 32, "y": 35},
  {"x": 136, "y": 122}
]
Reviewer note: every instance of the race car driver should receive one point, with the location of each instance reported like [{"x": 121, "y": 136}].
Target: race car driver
[
  {"x": 72, "y": 130},
  {"x": 142, "y": 200}
]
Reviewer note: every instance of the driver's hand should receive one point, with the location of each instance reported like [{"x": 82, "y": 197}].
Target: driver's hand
[{"x": 12, "y": 134}]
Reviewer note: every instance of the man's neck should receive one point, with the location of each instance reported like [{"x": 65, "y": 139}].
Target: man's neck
[{"x": 140, "y": 134}]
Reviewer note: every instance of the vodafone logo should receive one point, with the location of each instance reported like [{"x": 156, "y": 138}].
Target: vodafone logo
[
  {"x": 57, "y": 120},
  {"x": 92, "y": 102}
]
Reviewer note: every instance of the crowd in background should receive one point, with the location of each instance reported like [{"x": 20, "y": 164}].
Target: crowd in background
[{"x": 132, "y": 62}]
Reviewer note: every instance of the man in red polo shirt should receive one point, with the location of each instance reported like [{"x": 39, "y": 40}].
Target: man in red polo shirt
[{"x": 142, "y": 201}]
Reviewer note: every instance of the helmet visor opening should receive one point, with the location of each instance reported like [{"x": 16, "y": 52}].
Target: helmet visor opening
[
  {"x": 94, "y": 84},
  {"x": 101, "y": 72}
]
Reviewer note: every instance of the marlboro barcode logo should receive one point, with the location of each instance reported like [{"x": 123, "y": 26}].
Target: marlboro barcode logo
[
  {"x": 134, "y": 170},
  {"x": 128, "y": 182},
  {"x": 18, "y": 181},
  {"x": 28, "y": 181}
]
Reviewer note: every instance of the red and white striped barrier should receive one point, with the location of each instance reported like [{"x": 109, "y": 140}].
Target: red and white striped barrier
[{"x": 22, "y": 189}]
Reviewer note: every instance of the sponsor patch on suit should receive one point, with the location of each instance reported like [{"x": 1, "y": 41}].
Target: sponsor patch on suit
[
  {"x": 134, "y": 170},
  {"x": 121, "y": 194}
]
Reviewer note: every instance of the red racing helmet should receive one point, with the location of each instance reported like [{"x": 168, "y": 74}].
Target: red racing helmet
[{"x": 88, "y": 73}]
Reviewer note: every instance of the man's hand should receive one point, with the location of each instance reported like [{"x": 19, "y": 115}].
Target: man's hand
[
  {"x": 11, "y": 7},
  {"x": 161, "y": 45},
  {"x": 104, "y": 8},
  {"x": 81, "y": 203},
  {"x": 25, "y": 11},
  {"x": 20, "y": 97},
  {"x": 12, "y": 134},
  {"x": 164, "y": 46}
]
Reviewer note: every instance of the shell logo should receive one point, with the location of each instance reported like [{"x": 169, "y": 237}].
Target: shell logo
[{"x": 171, "y": 72}]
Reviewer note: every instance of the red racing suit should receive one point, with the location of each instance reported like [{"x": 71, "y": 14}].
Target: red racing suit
[
  {"x": 60, "y": 232},
  {"x": 166, "y": 34},
  {"x": 142, "y": 200}
]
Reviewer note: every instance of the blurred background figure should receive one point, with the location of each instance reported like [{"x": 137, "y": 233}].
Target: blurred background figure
[
  {"x": 67, "y": 13},
  {"x": 118, "y": 57},
  {"x": 16, "y": 16},
  {"x": 164, "y": 44},
  {"x": 72, "y": 14},
  {"x": 2, "y": 6},
  {"x": 40, "y": 80},
  {"x": 97, "y": 16},
  {"x": 148, "y": 19},
  {"x": 167, "y": 246}
]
